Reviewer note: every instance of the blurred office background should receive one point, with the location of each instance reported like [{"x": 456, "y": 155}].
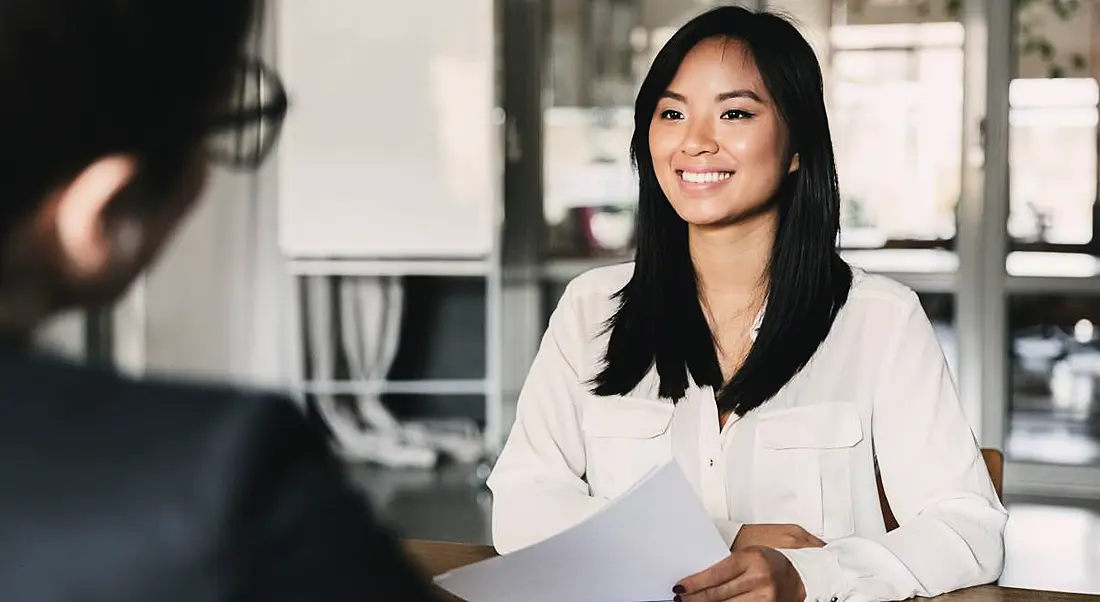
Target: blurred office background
[{"x": 449, "y": 165}]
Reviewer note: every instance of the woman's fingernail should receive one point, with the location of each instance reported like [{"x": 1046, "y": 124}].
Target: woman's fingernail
[{"x": 678, "y": 589}]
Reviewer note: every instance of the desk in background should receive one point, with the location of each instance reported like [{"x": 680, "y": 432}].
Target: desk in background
[{"x": 439, "y": 557}]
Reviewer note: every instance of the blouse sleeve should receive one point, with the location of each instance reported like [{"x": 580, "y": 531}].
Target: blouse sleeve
[
  {"x": 951, "y": 522},
  {"x": 538, "y": 481}
]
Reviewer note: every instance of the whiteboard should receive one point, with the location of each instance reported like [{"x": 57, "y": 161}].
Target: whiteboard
[{"x": 391, "y": 147}]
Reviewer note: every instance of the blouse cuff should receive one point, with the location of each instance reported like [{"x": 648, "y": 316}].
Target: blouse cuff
[{"x": 822, "y": 577}]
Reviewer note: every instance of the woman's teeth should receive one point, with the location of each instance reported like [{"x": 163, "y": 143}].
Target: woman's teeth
[{"x": 704, "y": 177}]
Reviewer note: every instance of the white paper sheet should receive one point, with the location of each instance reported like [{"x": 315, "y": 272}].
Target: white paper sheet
[{"x": 633, "y": 550}]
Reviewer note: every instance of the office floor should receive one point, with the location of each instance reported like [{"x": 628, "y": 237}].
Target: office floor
[{"x": 1049, "y": 544}]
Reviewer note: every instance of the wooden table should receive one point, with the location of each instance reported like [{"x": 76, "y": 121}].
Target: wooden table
[{"x": 439, "y": 557}]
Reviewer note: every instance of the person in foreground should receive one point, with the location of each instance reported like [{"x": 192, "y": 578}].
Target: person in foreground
[
  {"x": 739, "y": 343},
  {"x": 120, "y": 490}
]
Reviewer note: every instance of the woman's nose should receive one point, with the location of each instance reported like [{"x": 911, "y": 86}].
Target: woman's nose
[{"x": 699, "y": 140}]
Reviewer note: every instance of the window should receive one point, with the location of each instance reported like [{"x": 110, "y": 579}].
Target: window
[
  {"x": 895, "y": 93},
  {"x": 1055, "y": 379}
]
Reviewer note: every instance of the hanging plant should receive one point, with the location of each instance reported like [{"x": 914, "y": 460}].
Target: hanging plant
[{"x": 1032, "y": 42}]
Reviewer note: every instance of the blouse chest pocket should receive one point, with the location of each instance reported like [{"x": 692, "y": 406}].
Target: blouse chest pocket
[
  {"x": 625, "y": 437},
  {"x": 802, "y": 469}
]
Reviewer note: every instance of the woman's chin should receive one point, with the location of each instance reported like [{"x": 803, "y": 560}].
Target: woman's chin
[
  {"x": 707, "y": 217},
  {"x": 701, "y": 216}
]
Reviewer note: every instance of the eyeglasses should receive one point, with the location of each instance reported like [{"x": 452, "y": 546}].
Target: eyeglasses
[{"x": 243, "y": 137}]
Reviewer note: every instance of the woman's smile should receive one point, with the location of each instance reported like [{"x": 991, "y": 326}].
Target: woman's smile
[{"x": 701, "y": 182}]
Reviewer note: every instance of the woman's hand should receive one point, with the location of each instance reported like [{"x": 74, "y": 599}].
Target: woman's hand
[
  {"x": 755, "y": 573},
  {"x": 783, "y": 537}
]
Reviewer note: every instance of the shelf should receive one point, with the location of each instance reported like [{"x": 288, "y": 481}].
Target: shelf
[
  {"x": 390, "y": 267},
  {"x": 1040, "y": 285},
  {"x": 397, "y": 387},
  {"x": 564, "y": 270},
  {"x": 923, "y": 282},
  {"x": 561, "y": 271}
]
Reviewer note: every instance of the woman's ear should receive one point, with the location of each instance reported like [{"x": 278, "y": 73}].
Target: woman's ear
[
  {"x": 88, "y": 243},
  {"x": 794, "y": 164}
]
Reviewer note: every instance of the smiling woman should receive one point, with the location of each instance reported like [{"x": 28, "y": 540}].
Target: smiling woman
[
  {"x": 740, "y": 344},
  {"x": 734, "y": 109}
]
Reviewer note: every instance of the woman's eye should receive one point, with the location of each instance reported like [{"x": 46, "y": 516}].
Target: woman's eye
[
  {"x": 671, "y": 114},
  {"x": 736, "y": 114}
]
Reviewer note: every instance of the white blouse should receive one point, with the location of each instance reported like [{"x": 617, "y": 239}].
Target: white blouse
[{"x": 876, "y": 394}]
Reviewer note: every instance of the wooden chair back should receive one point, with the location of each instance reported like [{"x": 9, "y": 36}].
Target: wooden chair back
[{"x": 994, "y": 462}]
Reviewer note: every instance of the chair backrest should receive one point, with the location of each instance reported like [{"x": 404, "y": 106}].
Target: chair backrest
[{"x": 994, "y": 462}]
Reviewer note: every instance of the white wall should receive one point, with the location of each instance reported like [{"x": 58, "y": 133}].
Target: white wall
[
  {"x": 214, "y": 301},
  {"x": 218, "y": 303}
]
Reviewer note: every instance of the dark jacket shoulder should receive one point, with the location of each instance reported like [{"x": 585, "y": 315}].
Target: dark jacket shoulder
[{"x": 119, "y": 489}]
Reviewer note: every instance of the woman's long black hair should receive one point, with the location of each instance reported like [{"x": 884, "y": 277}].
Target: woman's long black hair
[{"x": 660, "y": 320}]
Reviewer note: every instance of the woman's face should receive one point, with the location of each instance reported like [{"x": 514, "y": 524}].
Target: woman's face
[{"x": 718, "y": 144}]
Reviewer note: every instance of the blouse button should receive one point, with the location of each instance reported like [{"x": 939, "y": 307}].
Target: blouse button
[{"x": 711, "y": 463}]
